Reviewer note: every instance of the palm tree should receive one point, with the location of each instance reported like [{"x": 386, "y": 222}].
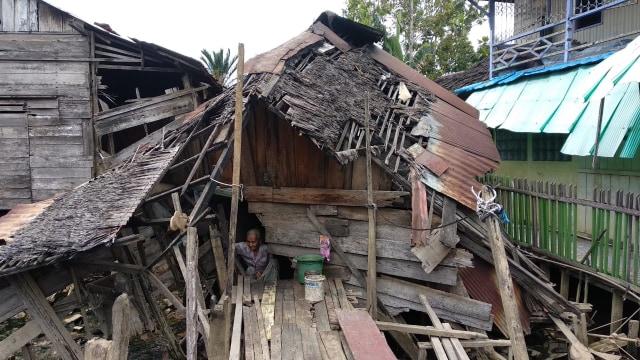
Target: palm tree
[{"x": 220, "y": 65}]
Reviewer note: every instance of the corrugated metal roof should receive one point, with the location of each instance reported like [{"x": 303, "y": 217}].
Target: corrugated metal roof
[
  {"x": 512, "y": 77},
  {"x": 482, "y": 284},
  {"x": 554, "y": 103}
]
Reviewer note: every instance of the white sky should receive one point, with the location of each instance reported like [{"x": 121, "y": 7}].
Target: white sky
[{"x": 195, "y": 24}]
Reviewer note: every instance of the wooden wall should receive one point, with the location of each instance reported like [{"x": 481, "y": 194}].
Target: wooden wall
[
  {"x": 45, "y": 112},
  {"x": 32, "y": 16},
  {"x": 282, "y": 157}
]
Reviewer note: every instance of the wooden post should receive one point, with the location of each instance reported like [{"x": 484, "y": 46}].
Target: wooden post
[
  {"x": 218, "y": 257},
  {"x": 42, "y": 312},
  {"x": 505, "y": 283},
  {"x": 372, "y": 293},
  {"x": 634, "y": 325},
  {"x": 565, "y": 281},
  {"x": 118, "y": 348},
  {"x": 616, "y": 311},
  {"x": 192, "y": 297},
  {"x": 235, "y": 190}
]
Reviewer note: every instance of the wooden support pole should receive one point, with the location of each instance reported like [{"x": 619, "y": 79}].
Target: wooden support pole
[
  {"x": 42, "y": 312},
  {"x": 218, "y": 258},
  {"x": 158, "y": 284},
  {"x": 237, "y": 155},
  {"x": 372, "y": 293},
  {"x": 634, "y": 326},
  {"x": 565, "y": 281},
  {"x": 505, "y": 282},
  {"x": 118, "y": 347},
  {"x": 617, "y": 303},
  {"x": 192, "y": 300}
]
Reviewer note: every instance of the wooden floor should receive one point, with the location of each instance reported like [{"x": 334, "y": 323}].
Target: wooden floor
[{"x": 295, "y": 329}]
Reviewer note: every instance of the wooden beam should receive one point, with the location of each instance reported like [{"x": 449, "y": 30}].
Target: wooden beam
[
  {"x": 505, "y": 282},
  {"x": 181, "y": 309},
  {"x": 192, "y": 301},
  {"x": 237, "y": 156},
  {"x": 372, "y": 293},
  {"x": 42, "y": 312},
  {"x": 429, "y": 331},
  {"x": 112, "y": 266},
  {"x": 218, "y": 257},
  {"x": 617, "y": 302},
  {"x": 18, "y": 339},
  {"x": 471, "y": 344},
  {"x": 312, "y": 196},
  {"x": 449, "y": 345},
  {"x": 194, "y": 168}
]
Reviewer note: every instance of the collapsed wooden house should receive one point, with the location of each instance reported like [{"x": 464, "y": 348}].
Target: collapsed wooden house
[
  {"x": 72, "y": 94},
  {"x": 302, "y": 176}
]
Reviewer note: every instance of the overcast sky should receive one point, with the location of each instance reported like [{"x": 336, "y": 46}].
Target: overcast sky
[{"x": 191, "y": 25}]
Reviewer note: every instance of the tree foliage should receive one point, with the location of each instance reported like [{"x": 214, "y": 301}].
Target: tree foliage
[
  {"x": 429, "y": 35},
  {"x": 220, "y": 65}
]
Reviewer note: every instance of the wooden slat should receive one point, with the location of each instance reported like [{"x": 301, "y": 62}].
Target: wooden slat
[
  {"x": 248, "y": 334},
  {"x": 18, "y": 339},
  {"x": 276, "y": 342},
  {"x": 429, "y": 330},
  {"x": 330, "y": 340},
  {"x": 236, "y": 333},
  {"x": 362, "y": 335},
  {"x": 303, "y": 307},
  {"x": 312, "y": 196},
  {"x": 310, "y": 347}
]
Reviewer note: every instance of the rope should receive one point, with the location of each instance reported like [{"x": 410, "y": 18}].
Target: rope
[
  {"x": 487, "y": 208},
  {"x": 220, "y": 183}
]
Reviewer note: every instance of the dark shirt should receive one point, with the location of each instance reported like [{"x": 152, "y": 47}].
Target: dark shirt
[{"x": 257, "y": 261}]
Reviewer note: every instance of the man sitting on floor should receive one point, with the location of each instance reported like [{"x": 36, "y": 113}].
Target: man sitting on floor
[{"x": 260, "y": 265}]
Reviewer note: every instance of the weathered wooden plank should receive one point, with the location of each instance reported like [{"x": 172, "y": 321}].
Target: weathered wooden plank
[
  {"x": 60, "y": 161},
  {"x": 51, "y": 172},
  {"x": 291, "y": 342},
  {"x": 66, "y": 91},
  {"x": 42, "y": 312},
  {"x": 428, "y": 330},
  {"x": 330, "y": 340},
  {"x": 264, "y": 342},
  {"x": 268, "y": 304},
  {"x": 289, "y": 305},
  {"x": 236, "y": 333},
  {"x": 472, "y": 344},
  {"x": 362, "y": 335},
  {"x": 310, "y": 347},
  {"x": 446, "y": 305},
  {"x": 276, "y": 342},
  {"x": 145, "y": 115},
  {"x": 190, "y": 279},
  {"x": 8, "y": 15},
  {"x": 322, "y": 316},
  {"x": 302, "y": 306},
  {"x": 410, "y": 269},
  {"x": 51, "y": 44},
  {"x": 69, "y": 130},
  {"x": 248, "y": 334},
  {"x": 18, "y": 339},
  {"x": 445, "y": 344},
  {"x": 312, "y": 196},
  {"x": 50, "y": 149}
]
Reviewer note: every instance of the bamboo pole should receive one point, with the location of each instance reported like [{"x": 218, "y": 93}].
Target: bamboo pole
[
  {"x": 505, "y": 283},
  {"x": 372, "y": 292}
]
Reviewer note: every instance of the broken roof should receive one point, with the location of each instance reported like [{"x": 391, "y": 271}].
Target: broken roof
[{"x": 85, "y": 217}]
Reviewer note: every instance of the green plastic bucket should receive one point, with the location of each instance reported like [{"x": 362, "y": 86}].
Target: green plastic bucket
[{"x": 308, "y": 262}]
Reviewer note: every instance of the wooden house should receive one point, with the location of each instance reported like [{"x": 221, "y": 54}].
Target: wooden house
[
  {"x": 302, "y": 176},
  {"x": 73, "y": 93}
]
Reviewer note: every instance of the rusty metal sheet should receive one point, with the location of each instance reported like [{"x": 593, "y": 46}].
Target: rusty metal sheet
[
  {"x": 18, "y": 217},
  {"x": 481, "y": 284},
  {"x": 273, "y": 60},
  {"x": 433, "y": 162},
  {"x": 464, "y": 166}
]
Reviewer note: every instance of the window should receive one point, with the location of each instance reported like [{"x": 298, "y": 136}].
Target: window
[
  {"x": 512, "y": 146},
  {"x": 582, "y": 6},
  {"x": 546, "y": 147}
]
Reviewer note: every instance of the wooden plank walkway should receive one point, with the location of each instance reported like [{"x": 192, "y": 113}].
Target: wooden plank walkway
[{"x": 299, "y": 330}]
